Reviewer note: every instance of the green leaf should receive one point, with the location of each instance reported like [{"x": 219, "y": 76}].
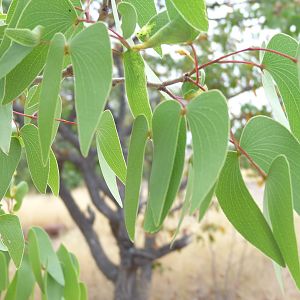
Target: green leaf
[
  {"x": 25, "y": 37},
  {"x": 166, "y": 122},
  {"x": 49, "y": 93},
  {"x": 149, "y": 224},
  {"x": 145, "y": 10},
  {"x": 8, "y": 165},
  {"x": 264, "y": 139},
  {"x": 5, "y": 127},
  {"x": 129, "y": 18},
  {"x": 108, "y": 175},
  {"x": 25, "y": 281},
  {"x": 32, "y": 102},
  {"x": 11, "y": 235},
  {"x": 15, "y": 9},
  {"x": 242, "y": 211},
  {"x": 285, "y": 74},
  {"x": 91, "y": 56},
  {"x": 176, "y": 31},
  {"x": 155, "y": 24},
  {"x": 109, "y": 143},
  {"x": 273, "y": 99},
  {"x": 136, "y": 152},
  {"x": 39, "y": 173},
  {"x": 206, "y": 203},
  {"x": 47, "y": 256},
  {"x": 72, "y": 288},
  {"x": 298, "y": 63},
  {"x": 53, "y": 289},
  {"x": 12, "y": 57},
  {"x": 186, "y": 202},
  {"x": 11, "y": 291},
  {"x": 35, "y": 258},
  {"x": 4, "y": 280},
  {"x": 177, "y": 170},
  {"x": 53, "y": 180},
  {"x": 55, "y": 16},
  {"x": 194, "y": 12},
  {"x": 278, "y": 195},
  {"x": 208, "y": 118},
  {"x": 21, "y": 190},
  {"x": 83, "y": 291},
  {"x": 136, "y": 85}
]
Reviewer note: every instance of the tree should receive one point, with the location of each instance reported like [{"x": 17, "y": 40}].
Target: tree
[{"x": 38, "y": 50}]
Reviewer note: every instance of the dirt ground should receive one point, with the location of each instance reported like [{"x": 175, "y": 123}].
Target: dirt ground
[{"x": 219, "y": 264}]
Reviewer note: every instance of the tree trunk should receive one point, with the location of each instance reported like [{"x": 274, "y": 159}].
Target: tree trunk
[{"x": 133, "y": 283}]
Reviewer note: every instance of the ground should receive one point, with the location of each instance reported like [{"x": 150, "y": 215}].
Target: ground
[{"x": 216, "y": 264}]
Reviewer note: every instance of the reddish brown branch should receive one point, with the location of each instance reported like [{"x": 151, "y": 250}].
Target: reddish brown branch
[
  {"x": 242, "y": 151},
  {"x": 293, "y": 59},
  {"x": 36, "y": 117}
]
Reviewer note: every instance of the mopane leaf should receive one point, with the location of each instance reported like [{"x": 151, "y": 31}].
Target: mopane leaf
[
  {"x": 194, "y": 12},
  {"x": 15, "y": 9},
  {"x": 32, "y": 102},
  {"x": 176, "y": 31},
  {"x": 49, "y": 93},
  {"x": 35, "y": 258},
  {"x": 11, "y": 235},
  {"x": 186, "y": 202},
  {"x": 155, "y": 24},
  {"x": 264, "y": 139},
  {"x": 25, "y": 37},
  {"x": 39, "y": 173},
  {"x": 8, "y": 165},
  {"x": 108, "y": 140},
  {"x": 242, "y": 211},
  {"x": 5, "y": 127},
  {"x": 135, "y": 163},
  {"x": 145, "y": 10},
  {"x": 177, "y": 170},
  {"x": 206, "y": 203},
  {"x": 12, "y": 57},
  {"x": 55, "y": 16},
  {"x": 129, "y": 18},
  {"x": 273, "y": 99},
  {"x": 72, "y": 288},
  {"x": 25, "y": 281},
  {"x": 278, "y": 196},
  {"x": 53, "y": 290},
  {"x": 149, "y": 224},
  {"x": 83, "y": 291},
  {"x": 4, "y": 280},
  {"x": 208, "y": 118},
  {"x": 277, "y": 268},
  {"x": 136, "y": 85},
  {"x": 91, "y": 56},
  {"x": 21, "y": 191},
  {"x": 166, "y": 122},
  {"x": 285, "y": 74},
  {"x": 48, "y": 258},
  {"x": 53, "y": 180},
  {"x": 109, "y": 175}
]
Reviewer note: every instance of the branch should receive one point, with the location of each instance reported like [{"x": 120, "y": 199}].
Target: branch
[{"x": 142, "y": 257}]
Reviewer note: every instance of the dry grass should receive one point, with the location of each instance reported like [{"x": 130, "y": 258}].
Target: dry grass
[{"x": 227, "y": 268}]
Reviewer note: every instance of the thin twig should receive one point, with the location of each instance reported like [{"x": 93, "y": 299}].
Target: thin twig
[{"x": 36, "y": 117}]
